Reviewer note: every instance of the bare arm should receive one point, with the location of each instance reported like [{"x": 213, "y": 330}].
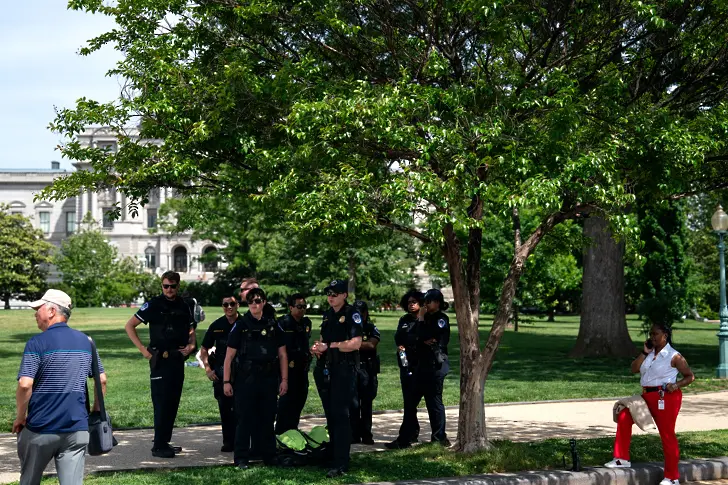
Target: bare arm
[
  {"x": 350, "y": 345},
  {"x": 637, "y": 362},
  {"x": 679, "y": 362},
  {"x": 190, "y": 347},
  {"x": 102, "y": 378},
  {"x": 283, "y": 361},
  {"x": 369, "y": 344},
  {"x": 227, "y": 371},
  {"x": 22, "y": 397},
  {"x": 205, "y": 358},
  {"x": 131, "y": 331}
]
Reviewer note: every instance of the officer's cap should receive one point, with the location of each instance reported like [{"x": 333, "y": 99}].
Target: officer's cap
[
  {"x": 338, "y": 286},
  {"x": 361, "y": 306}
]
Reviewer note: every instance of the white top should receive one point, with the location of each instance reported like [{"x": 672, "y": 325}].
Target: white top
[{"x": 657, "y": 370}]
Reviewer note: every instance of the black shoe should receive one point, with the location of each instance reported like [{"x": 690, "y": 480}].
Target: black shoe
[
  {"x": 335, "y": 472},
  {"x": 367, "y": 441},
  {"x": 176, "y": 449},
  {"x": 444, "y": 442},
  {"x": 166, "y": 452},
  {"x": 397, "y": 445},
  {"x": 242, "y": 465},
  {"x": 227, "y": 448},
  {"x": 355, "y": 440}
]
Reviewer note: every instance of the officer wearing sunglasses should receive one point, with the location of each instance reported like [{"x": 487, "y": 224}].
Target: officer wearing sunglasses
[
  {"x": 296, "y": 328},
  {"x": 337, "y": 354},
  {"x": 171, "y": 341},
  {"x": 216, "y": 338},
  {"x": 257, "y": 342}
]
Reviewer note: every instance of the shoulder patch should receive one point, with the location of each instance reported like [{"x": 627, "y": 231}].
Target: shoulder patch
[
  {"x": 144, "y": 306},
  {"x": 356, "y": 317},
  {"x": 441, "y": 323}
]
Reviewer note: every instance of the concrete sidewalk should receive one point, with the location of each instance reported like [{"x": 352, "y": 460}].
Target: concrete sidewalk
[{"x": 516, "y": 422}]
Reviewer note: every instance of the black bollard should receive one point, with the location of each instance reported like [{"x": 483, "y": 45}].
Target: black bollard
[{"x": 576, "y": 461}]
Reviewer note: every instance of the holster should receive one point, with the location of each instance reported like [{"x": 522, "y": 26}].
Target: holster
[
  {"x": 336, "y": 358},
  {"x": 371, "y": 364},
  {"x": 154, "y": 359},
  {"x": 438, "y": 356}
]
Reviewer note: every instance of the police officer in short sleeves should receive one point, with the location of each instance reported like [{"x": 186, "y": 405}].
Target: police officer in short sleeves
[
  {"x": 366, "y": 382},
  {"x": 262, "y": 373},
  {"x": 171, "y": 341},
  {"x": 216, "y": 337},
  {"x": 337, "y": 354},
  {"x": 296, "y": 328},
  {"x": 433, "y": 336}
]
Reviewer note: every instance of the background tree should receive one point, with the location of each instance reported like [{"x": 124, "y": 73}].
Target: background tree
[
  {"x": 24, "y": 258},
  {"x": 344, "y": 116}
]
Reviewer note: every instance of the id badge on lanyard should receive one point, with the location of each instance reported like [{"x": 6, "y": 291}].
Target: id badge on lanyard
[{"x": 661, "y": 401}]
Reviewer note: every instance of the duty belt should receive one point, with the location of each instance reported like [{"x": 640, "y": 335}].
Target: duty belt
[
  {"x": 342, "y": 357},
  {"x": 655, "y": 388},
  {"x": 253, "y": 366}
]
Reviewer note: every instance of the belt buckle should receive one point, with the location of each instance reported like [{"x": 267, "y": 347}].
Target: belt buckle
[{"x": 165, "y": 354}]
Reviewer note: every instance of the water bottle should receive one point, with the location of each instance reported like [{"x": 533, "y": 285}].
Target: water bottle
[
  {"x": 192, "y": 363},
  {"x": 403, "y": 360}
]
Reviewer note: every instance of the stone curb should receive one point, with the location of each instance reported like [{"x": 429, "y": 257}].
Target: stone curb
[{"x": 639, "y": 474}]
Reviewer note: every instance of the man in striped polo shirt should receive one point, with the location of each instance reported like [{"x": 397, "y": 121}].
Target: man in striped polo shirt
[{"x": 51, "y": 419}]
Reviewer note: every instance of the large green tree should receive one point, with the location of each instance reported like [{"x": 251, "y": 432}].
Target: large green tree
[
  {"x": 24, "y": 258},
  {"x": 418, "y": 116}
]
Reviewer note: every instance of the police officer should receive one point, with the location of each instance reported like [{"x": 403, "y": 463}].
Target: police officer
[
  {"x": 171, "y": 341},
  {"x": 216, "y": 337},
  {"x": 337, "y": 354},
  {"x": 366, "y": 382},
  {"x": 433, "y": 336},
  {"x": 405, "y": 338},
  {"x": 297, "y": 331},
  {"x": 257, "y": 342}
]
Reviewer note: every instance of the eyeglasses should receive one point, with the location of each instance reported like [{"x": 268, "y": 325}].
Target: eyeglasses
[
  {"x": 300, "y": 307},
  {"x": 166, "y": 287},
  {"x": 257, "y": 301},
  {"x": 229, "y": 305},
  {"x": 332, "y": 293}
]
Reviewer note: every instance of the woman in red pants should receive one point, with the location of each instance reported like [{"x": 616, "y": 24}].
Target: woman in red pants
[{"x": 658, "y": 364}]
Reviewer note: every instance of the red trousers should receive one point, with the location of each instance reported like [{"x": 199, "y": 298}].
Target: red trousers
[{"x": 665, "y": 421}]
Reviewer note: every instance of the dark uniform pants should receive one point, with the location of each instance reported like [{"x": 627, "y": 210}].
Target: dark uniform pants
[
  {"x": 362, "y": 402},
  {"x": 410, "y": 429},
  {"x": 167, "y": 379},
  {"x": 428, "y": 383},
  {"x": 255, "y": 408},
  {"x": 226, "y": 405},
  {"x": 291, "y": 404},
  {"x": 336, "y": 392}
]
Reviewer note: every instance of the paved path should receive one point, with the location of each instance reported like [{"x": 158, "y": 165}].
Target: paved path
[{"x": 516, "y": 422}]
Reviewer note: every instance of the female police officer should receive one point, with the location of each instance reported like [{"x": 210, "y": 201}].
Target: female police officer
[
  {"x": 406, "y": 340},
  {"x": 337, "y": 354},
  {"x": 366, "y": 379}
]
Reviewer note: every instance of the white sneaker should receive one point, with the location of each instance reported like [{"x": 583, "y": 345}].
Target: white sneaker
[
  {"x": 667, "y": 481},
  {"x": 619, "y": 463}
]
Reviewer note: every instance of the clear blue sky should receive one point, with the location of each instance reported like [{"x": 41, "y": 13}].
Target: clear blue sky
[{"x": 40, "y": 69}]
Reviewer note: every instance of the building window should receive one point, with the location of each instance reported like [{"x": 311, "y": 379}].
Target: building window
[
  {"x": 180, "y": 259},
  {"x": 70, "y": 222},
  {"x": 152, "y": 218},
  {"x": 16, "y": 213},
  {"x": 107, "y": 146},
  {"x": 210, "y": 258},
  {"x": 150, "y": 256},
  {"x": 108, "y": 222},
  {"x": 45, "y": 222}
]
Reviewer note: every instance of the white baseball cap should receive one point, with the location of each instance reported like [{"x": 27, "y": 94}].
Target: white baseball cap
[{"x": 52, "y": 296}]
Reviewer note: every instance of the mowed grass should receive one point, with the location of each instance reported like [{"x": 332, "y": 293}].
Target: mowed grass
[
  {"x": 532, "y": 364},
  {"x": 429, "y": 461}
]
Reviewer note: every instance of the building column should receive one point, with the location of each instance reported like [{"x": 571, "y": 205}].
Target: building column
[{"x": 95, "y": 206}]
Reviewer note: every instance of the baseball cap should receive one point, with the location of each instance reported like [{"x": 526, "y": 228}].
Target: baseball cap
[
  {"x": 434, "y": 295},
  {"x": 339, "y": 286},
  {"x": 58, "y": 297},
  {"x": 361, "y": 306}
]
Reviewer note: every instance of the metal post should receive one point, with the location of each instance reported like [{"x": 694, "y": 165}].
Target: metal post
[{"x": 722, "y": 370}]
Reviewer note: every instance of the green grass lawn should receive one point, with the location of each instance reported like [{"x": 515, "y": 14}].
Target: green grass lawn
[
  {"x": 428, "y": 461},
  {"x": 532, "y": 364}
]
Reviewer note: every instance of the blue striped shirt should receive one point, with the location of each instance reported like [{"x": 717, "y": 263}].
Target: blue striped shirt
[{"x": 59, "y": 362}]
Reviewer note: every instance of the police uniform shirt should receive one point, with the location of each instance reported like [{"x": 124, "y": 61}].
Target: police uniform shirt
[
  {"x": 261, "y": 336},
  {"x": 169, "y": 322},
  {"x": 370, "y": 332},
  {"x": 217, "y": 336},
  {"x": 406, "y": 334},
  {"x": 340, "y": 326},
  {"x": 435, "y": 325},
  {"x": 296, "y": 335}
]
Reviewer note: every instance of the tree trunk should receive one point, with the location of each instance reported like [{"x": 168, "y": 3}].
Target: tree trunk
[
  {"x": 6, "y": 298},
  {"x": 603, "y": 329}
]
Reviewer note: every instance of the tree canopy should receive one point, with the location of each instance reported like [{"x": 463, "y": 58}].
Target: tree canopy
[
  {"x": 24, "y": 258},
  {"x": 418, "y": 116}
]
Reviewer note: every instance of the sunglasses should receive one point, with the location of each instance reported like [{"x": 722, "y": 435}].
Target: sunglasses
[
  {"x": 332, "y": 293},
  {"x": 300, "y": 307},
  {"x": 257, "y": 301},
  {"x": 229, "y": 305},
  {"x": 166, "y": 287}
]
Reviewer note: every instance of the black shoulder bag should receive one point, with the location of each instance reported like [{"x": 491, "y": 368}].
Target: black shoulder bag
[{"x": 100, "y": 436}]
